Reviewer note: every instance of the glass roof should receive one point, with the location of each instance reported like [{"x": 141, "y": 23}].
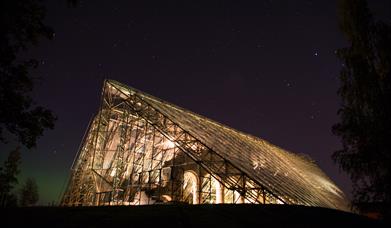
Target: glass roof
[{"x": 291, "y": 176}]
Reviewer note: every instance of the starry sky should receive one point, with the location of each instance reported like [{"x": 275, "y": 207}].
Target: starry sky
[{"x": 267, "y": 68}]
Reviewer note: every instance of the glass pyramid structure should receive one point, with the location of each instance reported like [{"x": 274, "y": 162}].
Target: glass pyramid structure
[{"x": 141, "y": 150}]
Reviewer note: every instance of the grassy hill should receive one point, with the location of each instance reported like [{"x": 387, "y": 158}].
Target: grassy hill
[{"x": 226, "y": 215}]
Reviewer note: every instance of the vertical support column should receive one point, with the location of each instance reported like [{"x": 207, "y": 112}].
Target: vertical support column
[
  {"x": 199, "y": 184},
  {"x": 118, "y": 162},
  {"x": 219, "y": 192},
  {"x": 195, "y": 189},
  {"x": 195, "y": 194}
]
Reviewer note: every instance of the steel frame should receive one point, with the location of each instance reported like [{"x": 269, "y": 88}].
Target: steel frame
[
  {"x": 138, "y": 150},
  {"x": 135, "y": 127}
]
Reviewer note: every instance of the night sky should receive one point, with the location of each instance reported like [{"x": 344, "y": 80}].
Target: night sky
[{"x": 268, "y": 69}]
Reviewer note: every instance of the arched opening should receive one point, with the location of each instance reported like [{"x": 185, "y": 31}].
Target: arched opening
[{"x": 190, "y": 187}]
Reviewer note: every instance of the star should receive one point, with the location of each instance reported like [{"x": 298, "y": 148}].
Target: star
[{"x": 287, "y": 83}]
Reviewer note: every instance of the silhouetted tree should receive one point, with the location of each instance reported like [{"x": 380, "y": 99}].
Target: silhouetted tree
[
  {"x": 21, "y": 26},
  {"x": 29, "y": 193},
  {"x": 8, "y": 178},
  {"x": 365, "y": 126}
]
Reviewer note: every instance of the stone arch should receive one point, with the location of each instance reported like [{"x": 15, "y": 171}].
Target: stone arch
[{"x": 190, "y": 187}]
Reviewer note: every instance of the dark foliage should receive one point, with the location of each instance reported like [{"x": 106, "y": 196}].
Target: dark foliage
[
  {"x": 8, "y": 178},
  {"x": 21, "y": 24},
  {"x": 29, "y": 193},
  {"x": 365, "y": 125}
]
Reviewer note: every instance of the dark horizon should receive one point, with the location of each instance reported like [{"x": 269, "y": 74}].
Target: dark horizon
[{"x": 267, "y": 69}]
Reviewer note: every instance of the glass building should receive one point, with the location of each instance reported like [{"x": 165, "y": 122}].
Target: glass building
[{"x": 140, "y": 150}]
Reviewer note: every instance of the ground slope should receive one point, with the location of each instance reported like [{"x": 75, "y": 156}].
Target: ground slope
[{"x": 183, "y": 216}]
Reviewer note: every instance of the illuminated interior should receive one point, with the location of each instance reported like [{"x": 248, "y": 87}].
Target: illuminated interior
[{"x": 141, "y": 150}]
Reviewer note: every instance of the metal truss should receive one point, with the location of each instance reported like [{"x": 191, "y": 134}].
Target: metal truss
[
  {"x": 126, "y": 127},
  {"x": 135, "y": 154}
]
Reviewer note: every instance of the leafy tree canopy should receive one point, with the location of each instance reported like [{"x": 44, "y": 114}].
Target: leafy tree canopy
[
  {"x": 21, "y": 25},
  {"x": 29, "y": 193},
  {"x": 365, "y": 114},
  {"x": 8, "y": 177}
]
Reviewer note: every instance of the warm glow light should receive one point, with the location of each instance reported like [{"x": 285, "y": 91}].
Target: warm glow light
[
  {"x": 167, "y": 198},
  {"x": 149, "y": 147},
  {"x": 169, "y": 144},
  {"x": 113, "y": 172}
]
